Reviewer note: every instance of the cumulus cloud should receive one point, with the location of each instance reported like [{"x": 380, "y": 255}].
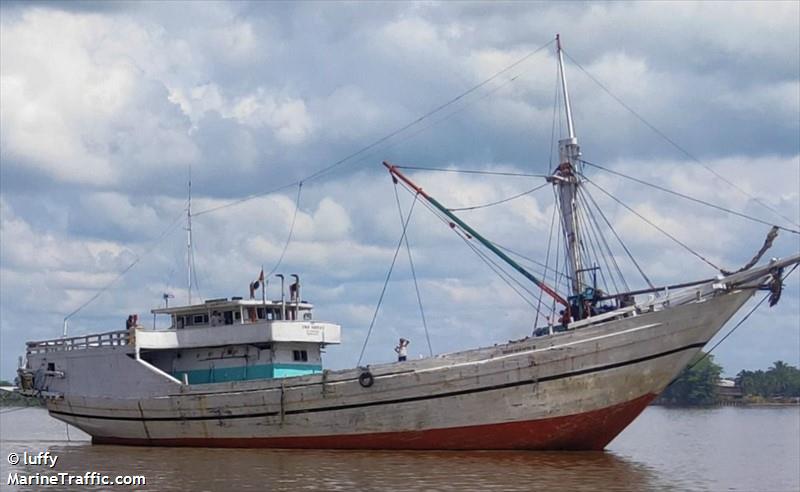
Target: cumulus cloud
[{"x": 105, "y": 108}]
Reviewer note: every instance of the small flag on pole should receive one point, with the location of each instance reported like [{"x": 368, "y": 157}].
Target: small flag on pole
[{"x": 259, "y": 281}]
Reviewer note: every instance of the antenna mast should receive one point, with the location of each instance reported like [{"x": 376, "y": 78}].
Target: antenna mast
[
  {"x": 566, "y": 179},
  {"x": 189, "y": 237}
]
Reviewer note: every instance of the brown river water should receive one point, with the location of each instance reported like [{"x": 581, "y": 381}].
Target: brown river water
[{"x": 720, "y": 449}]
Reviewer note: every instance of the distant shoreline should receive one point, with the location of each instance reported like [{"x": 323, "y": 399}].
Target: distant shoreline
[{"x": 739, "y": 404}]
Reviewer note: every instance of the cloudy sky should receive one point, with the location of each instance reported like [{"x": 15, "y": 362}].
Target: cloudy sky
[{"x": 105, "y": 108}]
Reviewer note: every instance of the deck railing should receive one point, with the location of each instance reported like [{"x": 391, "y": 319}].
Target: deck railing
[{"x": 108, "y": 339}]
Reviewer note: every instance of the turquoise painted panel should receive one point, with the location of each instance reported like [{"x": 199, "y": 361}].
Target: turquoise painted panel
[
  {"x": 289, "y": 370},
  {"x": 245, "y": 373}
]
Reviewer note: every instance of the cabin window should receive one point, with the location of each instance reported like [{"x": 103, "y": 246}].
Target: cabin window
[
  {"x": 51, "y": 366},
  {"x": 300, "y": 355},
  {"x": 261, "y": 313},
  {"x": 237, "y": 315},
  {"x": 307, "y": 316},
  {"x": 228, "y": 315},
  {"x": 200, "y": 319}
]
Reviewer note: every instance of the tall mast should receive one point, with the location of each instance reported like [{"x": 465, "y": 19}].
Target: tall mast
[
  {"x": 566, "y": 179},
  {"x": 564, "y": 90},
  {"x": 189, "y": 237}
]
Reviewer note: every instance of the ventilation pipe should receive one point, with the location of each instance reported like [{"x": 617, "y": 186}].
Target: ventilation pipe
[
  {"x": 283, "y": 297},
  {"x": 294, "y": 293}
]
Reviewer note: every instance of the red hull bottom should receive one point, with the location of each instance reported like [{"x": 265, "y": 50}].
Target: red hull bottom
[{"x": 586, "y": 431}]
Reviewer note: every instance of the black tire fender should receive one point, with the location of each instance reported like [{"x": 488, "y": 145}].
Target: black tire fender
[{"x": 366, "y": 379}]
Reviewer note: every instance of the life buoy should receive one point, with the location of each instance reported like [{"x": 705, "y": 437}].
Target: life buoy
[{"x": 366, "y": 379}]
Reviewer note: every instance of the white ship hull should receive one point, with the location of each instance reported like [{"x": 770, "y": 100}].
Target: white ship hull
[{"x": 572, "y": 390}]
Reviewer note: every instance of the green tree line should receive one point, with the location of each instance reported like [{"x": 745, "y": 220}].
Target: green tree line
[
  {"x": 697, "y": 383},
  {"x": 780, "y": 380}
]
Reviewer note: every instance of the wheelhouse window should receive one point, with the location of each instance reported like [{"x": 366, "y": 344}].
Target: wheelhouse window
[
  {"x": 200, "y": 319},
  {"x": 300, "y": 355},
  {"x": 268, "y": 314}
]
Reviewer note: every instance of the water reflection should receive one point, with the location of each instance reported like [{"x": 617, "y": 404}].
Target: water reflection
[
  {"x": 244, "y": 469},
  {"x": 663, "y": 450}
]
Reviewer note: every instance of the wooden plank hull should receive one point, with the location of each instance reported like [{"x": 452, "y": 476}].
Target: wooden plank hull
[{"x": 575, "y": 390}]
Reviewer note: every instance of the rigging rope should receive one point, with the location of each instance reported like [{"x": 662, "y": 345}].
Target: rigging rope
[
  {"x": 504, "y": 275},
  {"x": 504, "y": 200},
  {"x": 619, "y": 239},
  {"x": 544, "y": 267},
  {"x": 473, "y": 171},
  {"x": 501, "y": 273},
  {"x": 674, "y": 144},
  {"x": 771, "y": 235},
  {"x": 138, "y": 258},
  {"x": 291, "y": 230},
  {"x": 706, "y": 354},
  {"x": 584, "y": 218},
  {"x": 687, "y": 197},
  {"x": 740, "y": 323},
  {"x": 652, "y": 224},
  {"x": 413, "y": 270},
  {"x": 447, "y": 116},
  {"x": 386, "y": 281},
  {"x": 546, "y": 262},
  {"x": 383, "y": 139},
  {"x": 596, "y": 231}
]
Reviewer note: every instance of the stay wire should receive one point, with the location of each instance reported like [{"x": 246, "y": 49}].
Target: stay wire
[
  {"x": 687, "y": 197},
  {"x": 652, "y": 224},
  {"x": 583, "y": 251},
  {"x": 594, "y": 245},
  {"x": 539, "y": 264},
  {"x": 247, "y": 198},
  {"x": 444, "y": 118},
  {"x": 504, "y": 200},
  {"x": 546, "y": 262},
  {"x": 386, "y": 282},
  {"x": 740, "y": 323},
  {"x": 619, "y": 239},
  {"x": 437, "y": 213},
  {"x": 138, "y": 258},
  {"x": 601, "y": 243},
  {"x": 473, "y": 171},
  {"x": 413, "y": 272},
  {"x": 506, "y": 277},
  {"x": 385, "y": 138},
  {"x": 291, "y": 231},
  {"x": 675, "y": 144},
  {"x": 466, "y": 104},
  {"x": 583, "y": 194},
  {"x": 560, "y": 271},
  {"x": 429, "y": 113}
]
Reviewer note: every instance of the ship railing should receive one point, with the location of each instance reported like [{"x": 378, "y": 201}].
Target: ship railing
[{"x": 108, "y": 339}]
